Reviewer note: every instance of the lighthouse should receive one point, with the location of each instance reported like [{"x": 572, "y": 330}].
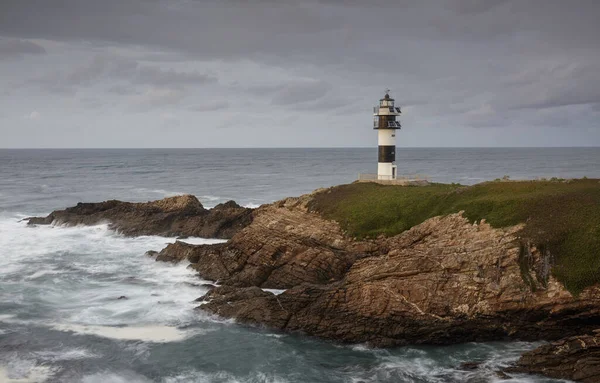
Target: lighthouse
[{"x": 384, "y": 121}]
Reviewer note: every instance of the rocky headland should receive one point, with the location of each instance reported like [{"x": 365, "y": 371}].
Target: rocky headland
[
  {"x": 175, "y": 216},
  {"x": 393, "y": 265}
]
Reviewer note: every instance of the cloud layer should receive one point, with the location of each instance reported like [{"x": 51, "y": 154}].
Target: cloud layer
[{"x": 468, "y": 72}]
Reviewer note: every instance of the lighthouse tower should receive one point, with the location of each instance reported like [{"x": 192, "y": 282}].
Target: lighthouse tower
[{"x": 384, "y": 121}]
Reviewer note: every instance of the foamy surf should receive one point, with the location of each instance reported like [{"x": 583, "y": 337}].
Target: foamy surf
[
  {"x": 25, "y": 372},
  {"x": 150, "y": 333}
]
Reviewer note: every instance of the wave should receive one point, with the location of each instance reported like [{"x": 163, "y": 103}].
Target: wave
[
  {"x": 66, "y": 354},
  {"x": 150, "y": 193},
  {"x": 154, "y": 334},
  {"x": 16, "y": 370},
  {"x": 92, "y": 276}
]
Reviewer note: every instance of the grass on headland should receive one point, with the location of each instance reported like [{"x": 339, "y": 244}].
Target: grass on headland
[{"x": 563, "y": 216}]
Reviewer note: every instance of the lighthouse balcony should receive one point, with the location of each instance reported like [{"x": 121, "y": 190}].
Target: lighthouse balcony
[{"x": 389, "y": 125}]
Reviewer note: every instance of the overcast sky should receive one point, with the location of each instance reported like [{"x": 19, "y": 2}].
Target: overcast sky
[{"x": 234, "y": 73}]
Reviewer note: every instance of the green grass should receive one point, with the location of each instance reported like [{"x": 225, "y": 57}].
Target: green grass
[{"x": 564, "y": 217}]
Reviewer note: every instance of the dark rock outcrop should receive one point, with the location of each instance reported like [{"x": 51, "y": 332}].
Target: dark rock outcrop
[
  {"x": 175, "y": 216},
  {"x": 576, "y": 358}
]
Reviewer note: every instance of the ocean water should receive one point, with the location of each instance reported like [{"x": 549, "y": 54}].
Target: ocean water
[{"x": 61, "y": 319}]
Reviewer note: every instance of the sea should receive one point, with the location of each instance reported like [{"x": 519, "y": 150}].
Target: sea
[{"x": 61, "y": 319}]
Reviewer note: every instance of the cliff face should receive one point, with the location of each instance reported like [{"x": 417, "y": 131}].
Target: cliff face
[
  {"x": 284, "y": 246},
  {"x": 444, "y": 281},
  {"x": 175, "y": 216}
]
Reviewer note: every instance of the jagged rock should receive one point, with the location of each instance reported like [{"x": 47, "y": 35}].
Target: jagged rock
[
  {"x": 122, "y": 297},
  {"x": 175, "y": 216},
  {"x": 443, "y": 281},
  {"x": 576, "y": 358},
  {"x": 284, "y": 246}
]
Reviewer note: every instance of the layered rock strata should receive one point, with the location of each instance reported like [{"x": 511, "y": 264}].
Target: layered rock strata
[
  {"x": 575, "y": 358},
  {"x": 444, "y": 281},
  {"x": 285, "y": 246},
  {"x": 176, "y": 216}
]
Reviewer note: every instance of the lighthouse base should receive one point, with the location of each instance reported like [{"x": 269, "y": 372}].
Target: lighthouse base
[
  {"x": 412, "y": 180},
  {"x": 386, "y": 171}
]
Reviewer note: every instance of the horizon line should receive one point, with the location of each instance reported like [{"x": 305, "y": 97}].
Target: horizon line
[{"x": 300, "y": 147}]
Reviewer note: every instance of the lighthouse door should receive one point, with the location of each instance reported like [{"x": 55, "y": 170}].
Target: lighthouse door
[{"x": 393, "y": 172}]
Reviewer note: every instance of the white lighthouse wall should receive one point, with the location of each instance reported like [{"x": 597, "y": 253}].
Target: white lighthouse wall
[
  {"x": 386, "y": 137},
  {"x": 385, "y": 171}
]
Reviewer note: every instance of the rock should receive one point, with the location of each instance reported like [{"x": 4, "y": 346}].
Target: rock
[
  {"x": 122, "y": 297},
  {"x": 502, "y": 375},
  {"x": 468, "y": 366},
  {"x": 175, "y": 216},
  {"x": 575, "y": 358},
  {"x": 444, "y": 281},
  {"x": 284, "y": 246},
  {"x": 151, "y": 253}
]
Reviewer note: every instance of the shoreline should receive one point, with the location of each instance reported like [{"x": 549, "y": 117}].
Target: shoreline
[{"x": 443, "y": 280}]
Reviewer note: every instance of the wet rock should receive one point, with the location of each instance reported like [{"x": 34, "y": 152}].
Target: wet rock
[
  {"x": 122, "y": 297},
  {"x": 468, "y": 366},
  {"x": 151, "y": 253},
  {"x": 575, "y": 358},
  {"x": 175, "y": 216},
  {"x": 502, "y": 375}
]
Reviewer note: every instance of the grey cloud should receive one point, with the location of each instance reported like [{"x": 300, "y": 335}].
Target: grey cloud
[
  {"x": 16, "y": 47},
  {"x": 462, "y": 63},
  {"x": 121, "y": 90},
  {"x": 156, "y": 97},
  {"x": 297, "y": 92},
  {"x": 473, "y": 6},
  {"x": 210, "y": 106},
  {"x": 121, "y": 68},
  {"x": 556, "y": 85},
  {"x": 160, "y": 77}
]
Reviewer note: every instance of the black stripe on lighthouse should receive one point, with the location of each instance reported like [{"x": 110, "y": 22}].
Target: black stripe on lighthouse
[{"x": 387, "y": 153}]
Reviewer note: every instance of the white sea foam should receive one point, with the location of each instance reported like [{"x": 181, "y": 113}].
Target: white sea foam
[
  {"x": 154, "y": 193},
  {"x": 223, "y": 377},
  {"x": 432, "y": 366},
  {"x": 201, "y": 241},
  {"x": 76, "y": 275},
  {"x": 14, "y": 370},
  {"x": 156, "y": 334},
  {"x": 67, "y": 354},
  {"x": 123, "y": 377},
  {"x": 41, "y": 273}
]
